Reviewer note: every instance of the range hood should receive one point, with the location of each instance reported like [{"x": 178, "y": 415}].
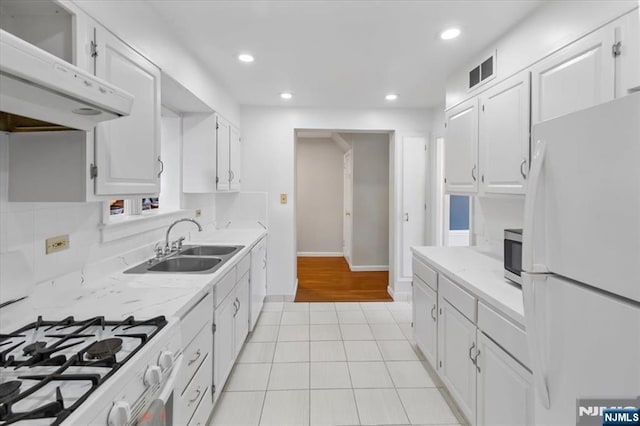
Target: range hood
[{"x": 39, "y": 90}]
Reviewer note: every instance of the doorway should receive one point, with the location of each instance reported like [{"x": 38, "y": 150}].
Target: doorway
[{"x": 342, "y": 215}]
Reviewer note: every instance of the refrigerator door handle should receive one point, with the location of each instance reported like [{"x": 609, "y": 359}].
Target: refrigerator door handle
[
  {"x": 530, "y": 205},
  {"x": 535, "y": 320}
]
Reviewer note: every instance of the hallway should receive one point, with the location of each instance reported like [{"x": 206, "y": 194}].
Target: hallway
[{"x": 328, "y": 279}]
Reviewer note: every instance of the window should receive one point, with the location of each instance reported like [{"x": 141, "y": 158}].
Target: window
[{"x": 118, "y": 206}]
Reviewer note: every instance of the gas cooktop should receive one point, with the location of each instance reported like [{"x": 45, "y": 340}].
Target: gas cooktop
[{"x": 49, "y": 368}]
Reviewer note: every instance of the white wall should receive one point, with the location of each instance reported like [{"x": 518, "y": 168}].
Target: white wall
[
  {"x": 549, "y": 28},
  {"x": 319, "y": 196},
  {"x": 436, "y": 126},
  {"x": 370, "y": 200},
  {"x": 268, "y": 155},
  {"x": 491, "y": 216},
  {"x": 142, "y": 27}
]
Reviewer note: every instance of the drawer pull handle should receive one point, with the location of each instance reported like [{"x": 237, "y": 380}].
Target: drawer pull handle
[
  {"x": 473, "y": 345},
  {"x": 195, "y": 398},
  {"x": 475, "y": 361},
  {"x": 433, "y": 313},
  {"x": 195, "y": 358}
]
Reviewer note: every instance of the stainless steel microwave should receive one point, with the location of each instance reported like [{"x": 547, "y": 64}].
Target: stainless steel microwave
[{"x": 513, "y": 255}]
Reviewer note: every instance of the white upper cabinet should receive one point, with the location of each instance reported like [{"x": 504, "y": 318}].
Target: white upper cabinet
[
  {"x": 461, "y": 148},
  {"x": 504, "y": 136},
  {"x": 235, "y": 159},
  {"x": 128, "y": 149},
  {"x": 627, "y": 31},
  {"x": 223, "y": 137},
  {"x": 578, "y": 76},
  {"x": 199, "y": 153}
]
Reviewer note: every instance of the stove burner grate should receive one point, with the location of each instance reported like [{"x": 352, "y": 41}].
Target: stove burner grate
[{"x": 9, "y": 390}]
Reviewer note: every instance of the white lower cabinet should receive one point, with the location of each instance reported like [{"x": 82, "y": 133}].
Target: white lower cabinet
[
  {"x": 425, "y": 319},
  {"x": 258, "y": 283},
  {"x": 231, "y": 321},
  {"x": 456, "y": 352},
  {"x": 486, "y": 376},
  {"x": 504, "y": 387}
]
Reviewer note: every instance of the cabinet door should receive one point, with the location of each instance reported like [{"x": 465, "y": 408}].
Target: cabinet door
[
  {"x": 199, "y": 153},
  {"x": 501, "y": 378},
  {"x": 461, "y": 148},
  {"x": 242, "y": 313},
  {"x": 628, "y": 67},
  {"x": 223, "y": 342},
  {"x": 223, "y": 134},
  {"x": 258, "y": 282},
  {"x": 128, "y": 149},
  {"x": 579, "y": 76},
  {"x": 456, "y": 351},
  {"x": 414, "y": 190},
  {"x": 425, "y": 319},
  {"x": 235, "y": 160},
  {"x": 504, "y": 136}
]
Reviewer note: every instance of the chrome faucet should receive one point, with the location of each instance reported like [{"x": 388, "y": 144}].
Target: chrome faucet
[{"x": 167, "y": 247}]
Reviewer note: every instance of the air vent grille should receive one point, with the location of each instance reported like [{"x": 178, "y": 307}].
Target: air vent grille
[{"x": 482, "y": 72}]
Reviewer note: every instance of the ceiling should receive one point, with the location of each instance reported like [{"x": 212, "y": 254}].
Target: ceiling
[{"x": 337, "y": 53}]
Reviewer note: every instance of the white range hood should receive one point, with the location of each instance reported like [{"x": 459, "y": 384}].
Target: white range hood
[{"x": 38, "y": 85}]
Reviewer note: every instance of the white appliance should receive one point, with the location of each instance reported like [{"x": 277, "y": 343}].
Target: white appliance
[
  {"x": 581, "y": 259},
  {"x": 36, "y": 84}
]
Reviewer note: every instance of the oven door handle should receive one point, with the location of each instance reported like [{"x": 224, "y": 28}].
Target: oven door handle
[{"x": 170, "y": 384}]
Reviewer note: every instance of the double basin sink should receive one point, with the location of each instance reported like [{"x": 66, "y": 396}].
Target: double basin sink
[{"x": 189, "y": 260}]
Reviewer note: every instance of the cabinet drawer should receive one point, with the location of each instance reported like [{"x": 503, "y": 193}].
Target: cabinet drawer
[
  {"x": 194, "y": 319},
  {"x": 194, "y": 354},
  {"x": 425, "y": 273},
  {"x": 202, "y": 413},
  {"x": 199, "y": 388},
  {"x": 508, "y": 335},
  {"x": 243, "y": 266},
  {"x": 225, "y": 285},
  {"x": 459, "y": 298}
]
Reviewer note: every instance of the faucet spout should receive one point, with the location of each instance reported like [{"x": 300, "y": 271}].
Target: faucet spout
[{"x": 186, "y": 219}]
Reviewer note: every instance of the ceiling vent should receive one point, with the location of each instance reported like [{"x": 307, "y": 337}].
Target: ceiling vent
[{"x": 483, "y": 72}]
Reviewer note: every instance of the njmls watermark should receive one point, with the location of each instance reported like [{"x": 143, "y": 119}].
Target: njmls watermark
[{"x": 608, "y": 412}]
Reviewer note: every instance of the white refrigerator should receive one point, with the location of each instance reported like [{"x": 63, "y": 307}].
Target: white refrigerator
[{"x": 581, "y": 259}]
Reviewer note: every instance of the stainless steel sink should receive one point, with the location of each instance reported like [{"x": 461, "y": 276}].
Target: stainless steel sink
[
  {"x": 208, "y": 250},
  {"x": 186, "y": 264},
  {"x": 188, "y": 260}
]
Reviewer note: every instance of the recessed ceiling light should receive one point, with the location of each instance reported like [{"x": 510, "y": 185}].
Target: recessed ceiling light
[
  {"x": 450, "y": 33},
  {"x": 391, "y": 97},
  {"x": 286, "y": 95},
  {"x": 245, "y": 57}
]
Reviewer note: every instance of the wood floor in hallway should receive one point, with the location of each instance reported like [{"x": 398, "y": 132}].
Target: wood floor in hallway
[{"x": 328, "y": 279}]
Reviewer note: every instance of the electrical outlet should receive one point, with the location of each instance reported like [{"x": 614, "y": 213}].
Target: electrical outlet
[
  {"x": 55, "y": 244},
  {"x": 283, "y": 198},
  {"x": 198, "y": 212}
]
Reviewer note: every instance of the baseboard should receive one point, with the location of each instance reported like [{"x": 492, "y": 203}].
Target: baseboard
[
  {"x": 320, "y": 254},
  {"x": 369, "y": 268},
  {"x": 399, "y": 296}
]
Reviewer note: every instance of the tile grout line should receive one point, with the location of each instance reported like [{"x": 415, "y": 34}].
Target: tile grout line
[
  {"x": 404, "y": 409},
  {"x": 264, "y": 398},
  {"x": 353, "y": 391}
]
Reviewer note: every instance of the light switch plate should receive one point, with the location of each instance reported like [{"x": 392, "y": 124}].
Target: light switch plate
[
  {"x": 55, "y": 244},
  {"x": 283, "y": 198}
]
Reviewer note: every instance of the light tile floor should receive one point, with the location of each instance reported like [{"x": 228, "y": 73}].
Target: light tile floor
[{"x": 332, "y": 364}]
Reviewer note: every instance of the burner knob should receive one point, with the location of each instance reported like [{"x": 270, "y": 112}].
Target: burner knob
[
  {"x": 152, "y": 376},
  {"x": 120, "y": 414},
  {"x": 165, "y": 360}
]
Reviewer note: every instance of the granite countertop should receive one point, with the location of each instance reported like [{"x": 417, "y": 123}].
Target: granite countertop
[
  {"x": 119, "y": 295},
  {"x": 481, "y": 272}
]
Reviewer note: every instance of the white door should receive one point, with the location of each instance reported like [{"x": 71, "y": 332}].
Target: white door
[
  {"x": 128, "y": 149},
  {"x": 461, "y": 148},
  {"x": 583, "y": 344},
  {"x": 242, "y": 312},
  {"x": 583, "y": 198},
  {"x": 258, "y": 283},
  {"x": 414, "y": 197},
  {"x": 456, "y": 351},
  {"x": 347, "y": 223},
  {"x": 235, "y": 160},
  {"x": 577, "y": 77},
  {"x": 425, "y": 319},
  {"x": 504, "y": 136},
  {"x": 223, "y": 141},
  {"x": 500, "y": 379},
  {"x": 223, "y": 341}
]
